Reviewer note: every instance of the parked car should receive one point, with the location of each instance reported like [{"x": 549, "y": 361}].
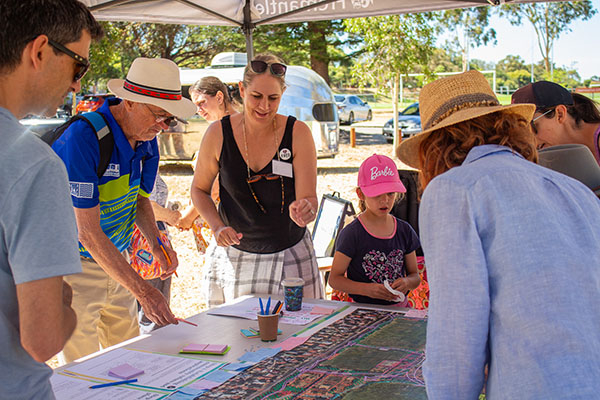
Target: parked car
[
  {"x": 91, "y": 102},
  {"x": 409, "y": 122},
  {"x": 352, "y": 109},
  {"x": 40, "y": 125}
]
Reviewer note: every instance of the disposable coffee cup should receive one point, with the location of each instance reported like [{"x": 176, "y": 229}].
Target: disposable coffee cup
[
  {"x": 292, "y": 293},
  {"x": 267, "y": 327}
]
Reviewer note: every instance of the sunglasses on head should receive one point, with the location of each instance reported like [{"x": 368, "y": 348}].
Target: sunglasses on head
[
  {"x": 82, "y": 64},
  {"x": 260, "y": 66}
]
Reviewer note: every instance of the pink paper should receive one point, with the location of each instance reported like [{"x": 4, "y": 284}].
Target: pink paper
[
  {"x": 321, "y": 310},
  {"x": 195, "y": 347},
  {"x": 291, "y": 342},
  {"x": 215, "y": 348},
  {"x": 412, "y": 313},
  {"x": 125, "y": 371}
]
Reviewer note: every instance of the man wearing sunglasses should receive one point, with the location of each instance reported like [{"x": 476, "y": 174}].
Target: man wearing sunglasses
[
  {"x": 148, "y": 101},
  {"x": 38, "y": 234}
]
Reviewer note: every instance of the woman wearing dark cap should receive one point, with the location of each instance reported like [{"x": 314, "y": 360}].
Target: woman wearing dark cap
[
  {"x": 561, "y": 117},
  {"x": 512, "y": 252}
]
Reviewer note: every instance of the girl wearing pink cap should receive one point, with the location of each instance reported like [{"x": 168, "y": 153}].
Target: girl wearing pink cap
[{"x": 375, "y": 260}]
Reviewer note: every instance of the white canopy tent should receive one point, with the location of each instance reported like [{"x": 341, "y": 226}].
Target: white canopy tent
[{"x": 247, "y": 14}]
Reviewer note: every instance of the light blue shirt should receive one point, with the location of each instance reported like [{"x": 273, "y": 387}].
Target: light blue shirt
[
  {"x": 38, "y": 240},
  {"x": 512, "y": 252}
]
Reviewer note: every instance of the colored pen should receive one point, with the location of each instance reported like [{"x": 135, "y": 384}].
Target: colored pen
[
  {"x": 162, "y": 247},
  {"x": 268, "y": 306},
  {"x": 262, "y": 310},
  {"x": 187, "y": 322},
  {"x": 113, "y": 383},
  {"x": 277, "y": 306}
]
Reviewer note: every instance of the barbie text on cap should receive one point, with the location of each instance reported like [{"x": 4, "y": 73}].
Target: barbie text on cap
[{"x": 378, "y": 175}]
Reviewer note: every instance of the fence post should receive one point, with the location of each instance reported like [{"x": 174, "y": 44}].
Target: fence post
[{"x": 352, "y": 137}]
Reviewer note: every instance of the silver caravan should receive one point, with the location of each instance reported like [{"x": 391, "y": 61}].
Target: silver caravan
[{"x": 307, "y": 97}]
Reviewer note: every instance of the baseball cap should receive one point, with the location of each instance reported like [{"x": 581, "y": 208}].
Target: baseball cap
[
  {"x": 377, "y": 175},
  {"x": 543, "y": 94}
]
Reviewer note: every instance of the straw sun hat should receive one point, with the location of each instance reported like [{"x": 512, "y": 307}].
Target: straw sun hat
[
  {"x": 154, "y": 81},
  {"x": 451, "y": 100}
]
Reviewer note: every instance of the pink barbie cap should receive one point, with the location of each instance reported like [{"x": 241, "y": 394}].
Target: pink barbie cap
[{"x": 377, "y": 175}]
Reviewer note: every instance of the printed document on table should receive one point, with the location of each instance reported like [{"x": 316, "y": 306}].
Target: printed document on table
[
  {"x": 249, "y": 307},
  {"x": 69, "y": 387},
  {"x": 161, "y": 371}
]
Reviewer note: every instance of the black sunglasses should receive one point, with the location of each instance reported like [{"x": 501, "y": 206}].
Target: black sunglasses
[
  {"x": 82, "y": 64},
  {"x": 260, "y": 66}
]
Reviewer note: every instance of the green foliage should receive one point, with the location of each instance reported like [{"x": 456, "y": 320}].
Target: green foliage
[
  {"x": 549, "y": 20},
  {"x": 468, "y": 28},
  {"x": 313, "y": 44},
  {"x": 391, "y": 45},
  {"x": 187, "y": 45}
]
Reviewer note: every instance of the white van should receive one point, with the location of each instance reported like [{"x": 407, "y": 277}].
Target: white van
[{"x": 307, "y": 97}]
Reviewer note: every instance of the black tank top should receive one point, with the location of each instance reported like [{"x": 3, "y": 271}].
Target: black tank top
[{"x": 263, "y": 233}]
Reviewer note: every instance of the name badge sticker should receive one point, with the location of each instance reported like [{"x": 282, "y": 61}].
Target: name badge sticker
[{"x": 283, "y": 168}]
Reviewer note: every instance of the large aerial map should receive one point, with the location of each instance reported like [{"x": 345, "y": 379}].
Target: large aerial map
[{"x": 368, "y": 354}]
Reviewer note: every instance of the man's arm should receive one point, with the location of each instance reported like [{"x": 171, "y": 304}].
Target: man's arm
[
  {"x": 116, "y": 266},
  {"x": 146, "y": 222},
  {"x": 46, "y": 319}
]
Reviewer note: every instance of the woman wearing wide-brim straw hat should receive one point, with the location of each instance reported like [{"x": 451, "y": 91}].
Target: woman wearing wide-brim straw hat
[{"x": 504, "y": 240}]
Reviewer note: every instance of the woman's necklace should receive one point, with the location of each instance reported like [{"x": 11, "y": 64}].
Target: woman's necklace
[{"x": 246, "y": 141}]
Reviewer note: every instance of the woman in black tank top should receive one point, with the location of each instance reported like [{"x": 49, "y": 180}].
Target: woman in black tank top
[{"x": 266, "y": 164}]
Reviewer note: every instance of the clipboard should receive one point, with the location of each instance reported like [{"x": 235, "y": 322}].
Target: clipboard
[{"x": 331, "y": 218}]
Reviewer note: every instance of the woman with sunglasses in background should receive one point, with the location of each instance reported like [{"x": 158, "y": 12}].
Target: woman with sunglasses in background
[
  {"x": 561, "y": 117},
  {"x": 267, "y": 169}
]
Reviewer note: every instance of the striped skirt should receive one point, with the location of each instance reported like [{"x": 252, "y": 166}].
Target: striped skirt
[{"x": 229, "y": 273}]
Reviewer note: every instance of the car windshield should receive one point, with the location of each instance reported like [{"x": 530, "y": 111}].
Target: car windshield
[
  {"x": 413, "y": 109},
  {"x": 339, "y": 98}
]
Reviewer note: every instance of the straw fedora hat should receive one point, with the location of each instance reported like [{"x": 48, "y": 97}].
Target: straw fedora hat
[
  {"x": 154, "y": 81},
  {"x": 451, "y": 100}
]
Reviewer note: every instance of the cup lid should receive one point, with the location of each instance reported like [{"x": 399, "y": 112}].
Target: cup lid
[{"x": 293, "y": 282}]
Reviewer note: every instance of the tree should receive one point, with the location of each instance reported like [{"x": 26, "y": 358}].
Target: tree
[
  {"x": 468, "y": 26},
  {"x": 392, "y": 45},
  {"x": 549, "y": 21},
  {"x": 312, "y": 44},
  {"x": 186, "y": 45}
]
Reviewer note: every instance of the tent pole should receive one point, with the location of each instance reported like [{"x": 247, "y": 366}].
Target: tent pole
[{"x": 248, "y": 28}]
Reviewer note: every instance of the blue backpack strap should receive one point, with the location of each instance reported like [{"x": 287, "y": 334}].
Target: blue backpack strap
[{"x": 106, "y": 140}]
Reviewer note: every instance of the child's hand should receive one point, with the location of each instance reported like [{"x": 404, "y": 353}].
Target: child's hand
[
  {"x": 187, "y": 219},
  {"x": 378, "y": 291},
  {"x": 173, "y": 218},
  {"x": 401, "y": 284}
]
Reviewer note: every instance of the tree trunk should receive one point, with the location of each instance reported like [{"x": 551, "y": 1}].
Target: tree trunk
[{"x": 319, "y": 59}]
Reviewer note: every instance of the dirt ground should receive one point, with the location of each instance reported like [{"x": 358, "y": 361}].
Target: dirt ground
[{"x": 338, "y": 174}]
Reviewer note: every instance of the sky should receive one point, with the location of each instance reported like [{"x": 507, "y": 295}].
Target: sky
[{"x": 578, "y": 49}]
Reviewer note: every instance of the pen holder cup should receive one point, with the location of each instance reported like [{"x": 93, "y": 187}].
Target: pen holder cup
[
  {"x": 292, "y": 293},
  {"x": 267, "y": 327}
]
